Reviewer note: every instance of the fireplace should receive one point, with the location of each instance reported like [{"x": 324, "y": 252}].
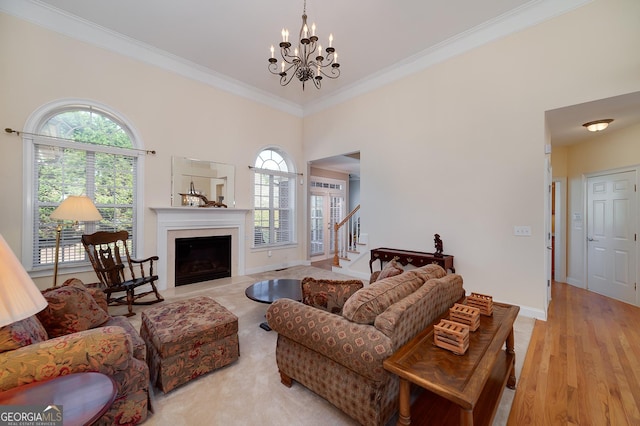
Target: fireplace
[
  {"x": 200, "y": 259},
  {"x": 191, "y": 222}
]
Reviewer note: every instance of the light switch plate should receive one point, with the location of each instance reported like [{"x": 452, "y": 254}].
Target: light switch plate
[{"x": 522, "y": 231}]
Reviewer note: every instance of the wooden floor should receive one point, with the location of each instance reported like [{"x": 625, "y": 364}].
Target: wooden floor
[
  {"x": 323, "y": 264},
  {"x": 583, "y": 363}
]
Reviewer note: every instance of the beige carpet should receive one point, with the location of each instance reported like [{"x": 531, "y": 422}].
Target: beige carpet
[{"x": 249, "y": 391}]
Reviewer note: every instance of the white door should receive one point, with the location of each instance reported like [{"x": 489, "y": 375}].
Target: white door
[
  {"x": 318, "y": 225},
  {"x": 611, "y": 235},
  {"x": 327, "y": 202}
]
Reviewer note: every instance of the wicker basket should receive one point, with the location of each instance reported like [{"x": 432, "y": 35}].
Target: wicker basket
[{"x": 452, "y": 336}]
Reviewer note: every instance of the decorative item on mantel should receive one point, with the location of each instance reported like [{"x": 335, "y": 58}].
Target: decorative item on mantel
[
  {"x": 195, "y": 198},
  {"x": 438, "y": 245},
  {"x": 191, "y": 198}
]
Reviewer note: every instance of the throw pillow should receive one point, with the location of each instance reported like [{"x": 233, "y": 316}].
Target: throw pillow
[
  {"x": 70, "y": 309},
  {"x": 328, "y": 295},
  {"x": 367, "y": 303},
  {"x": 96, "y": 292},
  {"x": 391, "y": 269},
  {"x": 21, "y": 333}
]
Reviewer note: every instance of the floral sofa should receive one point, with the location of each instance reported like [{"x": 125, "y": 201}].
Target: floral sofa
[
  {"x": 339, "y": 356},
  {"x": 75, "y": 334}
]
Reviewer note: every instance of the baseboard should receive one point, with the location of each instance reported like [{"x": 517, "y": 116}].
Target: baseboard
[
  {"x": 534, "y": 313},
  {"x": 275, "y": 267},
  {"x": 574, "y": 282}
]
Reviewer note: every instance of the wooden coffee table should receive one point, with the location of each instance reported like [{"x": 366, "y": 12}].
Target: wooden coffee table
[
  {"x": 84, "y": 397},
  {"x": 268, "y": 291},
  {"x": 459, "y": 389}
]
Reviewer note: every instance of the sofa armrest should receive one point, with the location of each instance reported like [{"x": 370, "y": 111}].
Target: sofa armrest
[
  {"x": 359, "y": 347},
  {"x": 105, "y": 349}
]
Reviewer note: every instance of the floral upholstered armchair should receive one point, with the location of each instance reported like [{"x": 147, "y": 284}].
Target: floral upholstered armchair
[{"x": 75, "y": 334}]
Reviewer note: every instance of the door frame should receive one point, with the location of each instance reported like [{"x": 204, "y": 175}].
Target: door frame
[
  {"x": 560, "y": 249},
  {"x": 585, "y": 228},
  {"x": 328, "y": 192}
]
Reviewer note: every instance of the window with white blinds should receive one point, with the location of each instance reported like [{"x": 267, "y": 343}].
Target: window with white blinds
[
  {"x": 274, "y": 207},
  {"x": 81, "y": 151}
]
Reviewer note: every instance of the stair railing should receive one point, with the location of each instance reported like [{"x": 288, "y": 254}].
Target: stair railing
[{"x": 346, "y": 235}]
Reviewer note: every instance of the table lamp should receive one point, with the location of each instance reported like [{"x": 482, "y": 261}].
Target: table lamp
[
  {"x": 78, "y": 208},
  {"x": 19, "y": 296}
]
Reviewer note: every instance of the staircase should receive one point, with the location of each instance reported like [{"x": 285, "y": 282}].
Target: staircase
[{"x": 348, "y": 245}]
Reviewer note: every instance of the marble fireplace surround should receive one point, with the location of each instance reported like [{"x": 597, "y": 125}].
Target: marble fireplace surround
[{"x": 186, "y": 222}]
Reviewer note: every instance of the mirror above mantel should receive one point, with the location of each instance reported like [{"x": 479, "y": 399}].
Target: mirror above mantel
[{"x": 193, "y": 181}]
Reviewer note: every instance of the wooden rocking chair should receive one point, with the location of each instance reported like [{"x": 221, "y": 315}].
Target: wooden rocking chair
[{"x": 109, "y": 255}]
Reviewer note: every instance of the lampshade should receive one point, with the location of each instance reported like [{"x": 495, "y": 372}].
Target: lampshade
[
  {"x": 79, "y": 208},
  {"x": 19, "y": 296}
]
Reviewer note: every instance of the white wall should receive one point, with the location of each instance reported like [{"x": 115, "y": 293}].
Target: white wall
[
  {"x": 458, "y": 149},
  {"x": 173, "y": 115}
]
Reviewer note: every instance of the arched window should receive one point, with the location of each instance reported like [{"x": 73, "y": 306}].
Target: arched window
[
  {"x": 75, "y": 150},
  {"x": 274, "y": 199}
]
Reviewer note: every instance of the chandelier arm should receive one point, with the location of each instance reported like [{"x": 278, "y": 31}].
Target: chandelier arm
[{"x": 332, "y": 73}]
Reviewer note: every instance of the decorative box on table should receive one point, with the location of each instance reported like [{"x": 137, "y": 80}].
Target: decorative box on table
[
  {"x": 467, "y": 315},
  {"x": 452, "y": 336},
  {"x": 482, "y": 302}
]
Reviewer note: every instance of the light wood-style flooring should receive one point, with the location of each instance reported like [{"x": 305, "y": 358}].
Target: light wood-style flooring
[{"x": 583, "y": 364}]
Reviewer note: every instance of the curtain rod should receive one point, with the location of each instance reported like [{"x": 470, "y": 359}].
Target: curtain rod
[
  {"x": 18, "y": 133},
  {"x": 277, "y": 171}
]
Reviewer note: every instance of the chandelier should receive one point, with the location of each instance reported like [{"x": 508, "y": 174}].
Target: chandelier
[{"x": 306, "y": 62}]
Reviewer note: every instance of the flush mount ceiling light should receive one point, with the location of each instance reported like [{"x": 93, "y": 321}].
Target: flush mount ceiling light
[
  {"x": 598, "y": 125},
  {"x": 308, "y": 60}
]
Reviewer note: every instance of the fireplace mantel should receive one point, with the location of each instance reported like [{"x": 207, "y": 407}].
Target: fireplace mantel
[{"x": 194, "y": 219}]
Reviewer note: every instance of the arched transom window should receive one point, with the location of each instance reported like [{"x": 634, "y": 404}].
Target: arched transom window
[
  {"x": 80, "y": 150},
  {"x": 274, "y": 206}
]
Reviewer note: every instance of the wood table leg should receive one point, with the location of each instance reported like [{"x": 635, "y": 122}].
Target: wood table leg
[
  {"x": 466, "y": 417},
  {"x": 511, "y": 382},
  {"x": 404, "y": 418}
]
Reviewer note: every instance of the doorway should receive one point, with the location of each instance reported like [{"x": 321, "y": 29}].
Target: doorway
[
  {"x": 327, "y": 207},
  {"x": 611, "y": 234}
]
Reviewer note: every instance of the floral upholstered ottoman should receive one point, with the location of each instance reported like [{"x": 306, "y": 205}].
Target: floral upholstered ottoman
[{"x": 187, "y": 339}]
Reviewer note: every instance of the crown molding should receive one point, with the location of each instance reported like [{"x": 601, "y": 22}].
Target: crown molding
[
  {"x": 518, "y": 19},
  {"x": 511, "y": 22},
  {"x": 53, "y": 19}
]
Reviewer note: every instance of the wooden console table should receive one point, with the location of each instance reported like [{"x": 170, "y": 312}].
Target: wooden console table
[
  {"x": 458, "y": 389},
  {"x": 415, "y": 258}
]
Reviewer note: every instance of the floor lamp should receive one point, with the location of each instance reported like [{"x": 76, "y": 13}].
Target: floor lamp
[
  {"x": 19, "y": 296},
  {"x": 78, "y": 208}
]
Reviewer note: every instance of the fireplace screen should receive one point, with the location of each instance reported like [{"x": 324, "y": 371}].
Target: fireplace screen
[{"x": 202, "y": 259}]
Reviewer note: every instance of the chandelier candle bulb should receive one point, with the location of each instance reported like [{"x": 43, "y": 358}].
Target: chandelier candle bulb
[
  {"x": 330, "y": 39},
  {"x": 272, "y": 51},
  {"x": 313, "y": 29}
]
